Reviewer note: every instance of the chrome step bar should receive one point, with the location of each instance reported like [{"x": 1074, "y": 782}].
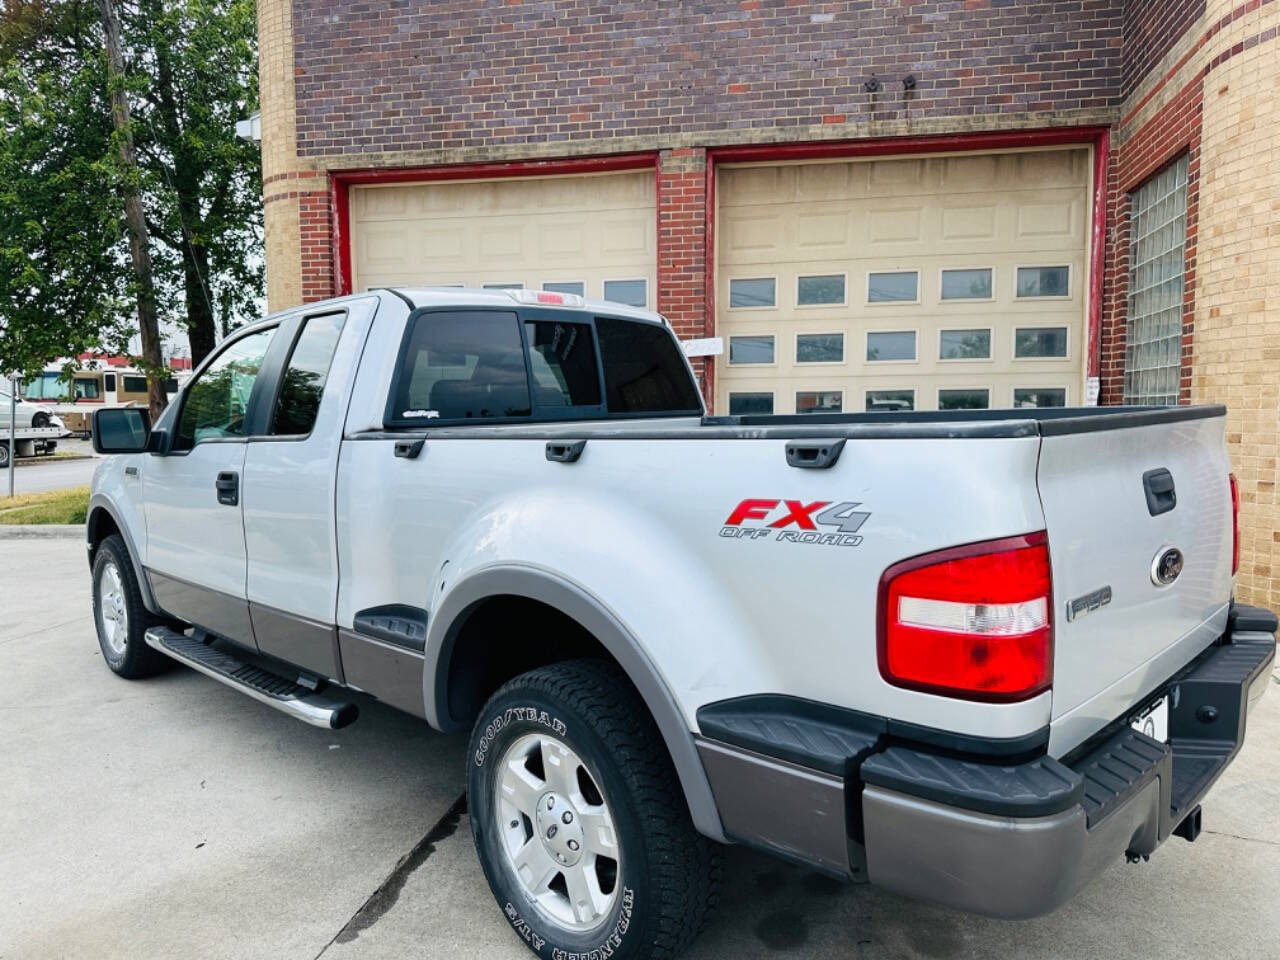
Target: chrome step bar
[{"x": 287, "y": 696}]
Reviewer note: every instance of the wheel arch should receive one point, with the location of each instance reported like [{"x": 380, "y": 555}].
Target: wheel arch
[
  {"x": 103, "y": 520},
  {"x": 577, "y": 605}
]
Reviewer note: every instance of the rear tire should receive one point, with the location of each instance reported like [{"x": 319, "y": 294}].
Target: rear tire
[
  {"x": 580, "y": 822},
  {"x": 4, "y": 453},
  {"x": 119, "y": 614}
]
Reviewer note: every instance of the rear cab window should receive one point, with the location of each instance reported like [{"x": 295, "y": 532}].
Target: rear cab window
[{"x": 478, "y": 365}]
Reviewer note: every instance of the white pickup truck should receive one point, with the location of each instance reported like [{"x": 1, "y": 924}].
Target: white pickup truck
[{"x": 970, "y": 657}]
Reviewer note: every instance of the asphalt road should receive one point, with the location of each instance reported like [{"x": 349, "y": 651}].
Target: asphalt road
[
  {"x": 176, "y": 818},
  {"x": 39, "y": 474}
]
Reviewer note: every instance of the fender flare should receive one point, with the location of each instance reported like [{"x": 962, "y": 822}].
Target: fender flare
[
  {"x": 100, "y": 501},
  {"x": 577, "y": 604}
]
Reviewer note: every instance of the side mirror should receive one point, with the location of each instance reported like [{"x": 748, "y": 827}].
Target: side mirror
[{"x": 121, "y": 430}]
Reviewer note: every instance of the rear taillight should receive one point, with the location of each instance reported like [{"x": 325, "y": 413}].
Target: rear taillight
[
  {"x": 1235, "y": 523},
  {"x": 973, "y": 622}
]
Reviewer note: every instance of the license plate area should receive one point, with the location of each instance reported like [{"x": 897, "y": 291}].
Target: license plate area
[{"x": 1153, "y": 720}]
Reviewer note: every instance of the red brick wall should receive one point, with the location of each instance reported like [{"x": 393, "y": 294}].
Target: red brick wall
[
  {"x": 316, "y": 226},
  {"x": 682, "y": 250},
  {"x": 1174, "y": 130},
  {"x": 1151, "y": 28},
  {"x": 384, "y": 76}
]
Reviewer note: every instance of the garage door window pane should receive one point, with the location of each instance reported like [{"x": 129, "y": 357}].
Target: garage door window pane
[
  {"x": 963, "y": 399},
  {"x": 750, "y": 404},
  {"x": 965, "y": 345},
  {"x": 890, "y": 401},
  {"x": 1043, "y": 282},
  {"x": 820, "y": 348},
  {"x": 812, "y": 291},
  {"x": 634, "y": 293},
  {"x": 1157, "y": 256},
  {"x": 570, "y": 286},
  {"x": 563, "y": 360},
  {"x": 748, "y": 292},
  {"x": 1040, "y": 397},
  {"x": 750, "y": 350},
  {"x": 463, "y": 366},
  {"x": 819, "y": 401},
  {"x": 893, "y": 287},
  {"x": 966, "y": 284},
  {"x": 504, "y": 286},
  {"x": 1040, "y": 342},
  {"x": 898, "y": 345}
]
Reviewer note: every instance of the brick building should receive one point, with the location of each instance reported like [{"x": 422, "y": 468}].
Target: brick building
[{"x": 877, "y": 204}]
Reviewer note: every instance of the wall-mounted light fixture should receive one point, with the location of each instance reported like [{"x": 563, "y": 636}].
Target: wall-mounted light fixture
[
  {"x": 909, "y": 82},
  {"x": 872, "y": 85}
]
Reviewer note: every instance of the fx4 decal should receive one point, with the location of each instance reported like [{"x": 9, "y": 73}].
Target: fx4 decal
[{"x": 794, "y": 521}]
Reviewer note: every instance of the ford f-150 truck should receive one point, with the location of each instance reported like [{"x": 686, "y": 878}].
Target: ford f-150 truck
[{"x": 971, "y": 657}]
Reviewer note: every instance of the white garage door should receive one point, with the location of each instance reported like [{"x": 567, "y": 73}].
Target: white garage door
[
  {"x": 926, "y": 283},
  {"x": 593, "y": 235}
]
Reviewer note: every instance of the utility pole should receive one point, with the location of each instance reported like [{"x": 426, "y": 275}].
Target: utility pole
[
  {"x": 13, "y": 428},
  {"x": 139, "y": 242}
]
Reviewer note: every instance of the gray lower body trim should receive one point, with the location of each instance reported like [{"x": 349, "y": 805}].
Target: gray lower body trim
[
  {"x": 392, "y": 674},
  {"x": 997, "y": 866},
  {"x": 217, "y": 612},
  {"x": 772, "y": 805},
  {"x": 298, "y": 640},
  {"x": 596, "y": 619}
]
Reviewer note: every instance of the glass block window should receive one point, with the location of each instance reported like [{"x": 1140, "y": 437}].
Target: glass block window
[
  {"x": 750, "y": 404},
  {"x": 965, "y": 344},
  {"x": 746, "y": 293},
  {"x": 966, "y": 284},
  {"x": 826, "y": 289},
  {"x": 890, "y": 401},
  {"x": 1157, "y": 258},
  {"x": 820, "y": 348},
  {"x": 819, "y": 401},
  {"x": 892, "y": 345},
  {"x": 750, "y": 350},
  {"x": 634, "y": 293},
  {"x": 978, "y": 399}
]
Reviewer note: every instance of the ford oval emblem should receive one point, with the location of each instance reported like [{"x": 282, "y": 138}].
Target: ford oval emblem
[{"x": 1166, "y": 567}]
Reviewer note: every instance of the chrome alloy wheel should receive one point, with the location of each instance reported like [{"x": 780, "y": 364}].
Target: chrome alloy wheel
[
  {"x": 113, "y": 615},
  {"x": 557, "y": 833}
]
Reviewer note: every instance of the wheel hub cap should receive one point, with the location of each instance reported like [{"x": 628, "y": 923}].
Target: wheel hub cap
[
  {"x": 559, "y": 824},
  {"x": 113, "y": 615}
]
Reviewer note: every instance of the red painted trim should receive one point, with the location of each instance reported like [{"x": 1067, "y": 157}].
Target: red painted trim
[
  {"x": 895, "y": 146},
  {"x": 339, "y": 202},
  {"x": 1097, "y": 249},
  {"x": 340, "y": 182}
]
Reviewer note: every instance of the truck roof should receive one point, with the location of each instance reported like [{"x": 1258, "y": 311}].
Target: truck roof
[{"x": 473, "y": 297}]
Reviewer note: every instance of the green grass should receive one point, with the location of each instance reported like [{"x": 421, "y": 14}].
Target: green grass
[{"x": 55, "y": 506}]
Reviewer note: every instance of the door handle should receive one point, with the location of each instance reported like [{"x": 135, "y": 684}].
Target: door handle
[{"x": 228, "y": 487}]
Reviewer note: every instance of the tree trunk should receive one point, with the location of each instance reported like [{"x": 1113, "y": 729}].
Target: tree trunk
[
  {"x": 139, "y": 242},
  {"x": 202, "y": 331}
]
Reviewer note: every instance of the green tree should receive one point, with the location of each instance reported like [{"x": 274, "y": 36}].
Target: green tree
[{"x": 190, "y": 73}]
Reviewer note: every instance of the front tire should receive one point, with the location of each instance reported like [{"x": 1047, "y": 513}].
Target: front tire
[
  {"x": 119, "y": 614},
  {"x": 579, "y": 819}
]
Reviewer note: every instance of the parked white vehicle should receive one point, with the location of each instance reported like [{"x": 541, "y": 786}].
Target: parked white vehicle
[
  {"x": 971, "y": 657},
  {"x": 36, "y": 431}
]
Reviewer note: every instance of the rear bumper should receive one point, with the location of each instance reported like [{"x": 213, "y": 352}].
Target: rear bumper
[{"x": 994, "y": 837}]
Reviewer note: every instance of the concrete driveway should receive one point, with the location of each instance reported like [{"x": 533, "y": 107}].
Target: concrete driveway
[{"x": 176, "y": 818}]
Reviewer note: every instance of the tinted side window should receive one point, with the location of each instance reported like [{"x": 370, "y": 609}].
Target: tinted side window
[
  {"x": 299, "y": 399},
  {"x": 462, "y": 366},
  {"x": 644, "y": 371},
  {"x": 563, "y": 360},
  {"x": 215, "y": 404}
]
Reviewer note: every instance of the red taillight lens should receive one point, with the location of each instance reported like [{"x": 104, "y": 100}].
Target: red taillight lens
[
  {"x": 974, "y": 622},
  {"x": 1235, "y": 523}
]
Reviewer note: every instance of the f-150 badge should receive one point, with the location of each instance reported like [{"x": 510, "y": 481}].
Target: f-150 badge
[{"x": 794, "y": 521}]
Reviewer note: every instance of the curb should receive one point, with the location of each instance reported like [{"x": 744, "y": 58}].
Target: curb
[
  {"x": 42, "y": 531},
  {"x": 42, "y": 461}
]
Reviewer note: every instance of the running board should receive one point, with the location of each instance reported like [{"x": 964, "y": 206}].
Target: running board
[{"x": 287, "y": 696}]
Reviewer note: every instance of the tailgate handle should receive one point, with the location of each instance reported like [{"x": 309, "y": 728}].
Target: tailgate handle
[
  {"x": 1158, "y": 486},
  {"x": 559, "y": 451},
  {"x": 814, "y": 454}
]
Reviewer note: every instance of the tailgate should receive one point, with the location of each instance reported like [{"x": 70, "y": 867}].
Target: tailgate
[{"x": 1118, "y": 632}]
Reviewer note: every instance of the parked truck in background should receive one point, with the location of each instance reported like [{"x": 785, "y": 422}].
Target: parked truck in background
[{"x": 971, "y": 657}]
